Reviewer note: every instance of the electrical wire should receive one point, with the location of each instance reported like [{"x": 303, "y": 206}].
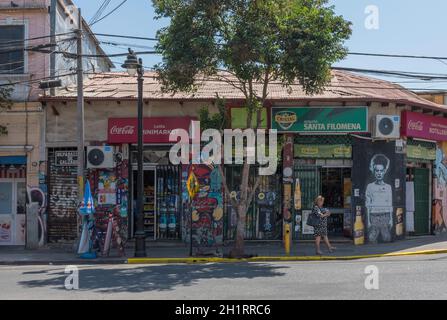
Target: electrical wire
[
  {"x": 127, "y": 45},
  {"x": 100, "y": 11},
  {"x": 124, "y": 36},
  {"x": 108, "y": 14},
  {"x": 35, "y": 80},
  {"x": 35, "y": 38},
  {"x": 395, "y": 56}
]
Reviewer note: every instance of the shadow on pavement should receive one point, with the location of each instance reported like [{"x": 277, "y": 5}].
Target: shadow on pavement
[{"x": 151, "y": 278}]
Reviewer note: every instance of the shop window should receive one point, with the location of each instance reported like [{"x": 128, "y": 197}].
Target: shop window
[
  {"x": 332, "y": 185},
  {"x": 333, "y": 182},
  {"x": 12, "y": 54}
]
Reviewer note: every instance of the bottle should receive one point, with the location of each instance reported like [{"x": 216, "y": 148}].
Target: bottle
[
  {"x": 297, "y": 195},
  {"x": 399, "y": 222},
  {"x": 359, "y": 228}
]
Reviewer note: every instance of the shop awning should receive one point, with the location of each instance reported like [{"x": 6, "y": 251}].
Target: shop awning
[{"x": 13, "y": 160}]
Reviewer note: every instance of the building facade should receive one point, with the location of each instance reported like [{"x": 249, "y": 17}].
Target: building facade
[
  {"x": 29, "y": 31},
  {"x": 345, "y": 143}
]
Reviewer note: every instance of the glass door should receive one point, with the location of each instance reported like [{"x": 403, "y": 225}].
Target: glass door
[
  {"x": 149, "y": 201},
  {"x": 12, "y": 212}
]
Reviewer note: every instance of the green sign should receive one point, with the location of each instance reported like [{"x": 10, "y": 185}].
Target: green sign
[
  {"x": 239, "y": 118},
  {"x": 420, "y": 152},
  {"x": 320, "y": 120},
  {"x": 338, "y": 151}
]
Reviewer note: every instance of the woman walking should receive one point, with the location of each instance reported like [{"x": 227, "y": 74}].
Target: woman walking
[{"x": 320, "y": 231}]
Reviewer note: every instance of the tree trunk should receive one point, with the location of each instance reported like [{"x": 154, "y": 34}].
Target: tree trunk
[{"x": 238, "y": 250}]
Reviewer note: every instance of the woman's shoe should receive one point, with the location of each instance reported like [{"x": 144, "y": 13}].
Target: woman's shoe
[
  {"x": 318, "y": 253},
  {"x": 332, "y": 249}
]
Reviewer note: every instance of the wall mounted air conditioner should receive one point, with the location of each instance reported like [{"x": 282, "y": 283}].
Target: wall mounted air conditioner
[
  {"x": 100, "y": 157},
  {"x": 386, "y": 127}
]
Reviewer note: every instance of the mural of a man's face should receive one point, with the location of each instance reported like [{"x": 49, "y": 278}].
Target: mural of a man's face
[{"x": 379, "y": 171}]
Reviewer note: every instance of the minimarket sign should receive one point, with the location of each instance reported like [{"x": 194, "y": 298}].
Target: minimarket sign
[
  {"x": 338, "y": 151},
  {"x": 420, "y": 152},
  {"x": 320, "y": 119}
]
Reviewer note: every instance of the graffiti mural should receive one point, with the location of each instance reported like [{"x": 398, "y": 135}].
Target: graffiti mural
[
  {"x": 110, "y": 193},
  {"x": 37, "y": 195},
  {"x": 62, "y": 222},
  {"x": 439, "y": 219},
  {"x": 379, "y": 189},
  {"x": 206, "y": 209}
]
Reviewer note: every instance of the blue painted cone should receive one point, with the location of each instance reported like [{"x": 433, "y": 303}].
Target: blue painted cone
[{"x": 87, "y": 208}]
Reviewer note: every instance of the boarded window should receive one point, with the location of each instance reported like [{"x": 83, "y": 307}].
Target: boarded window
[{"x": 12, "y": 54}]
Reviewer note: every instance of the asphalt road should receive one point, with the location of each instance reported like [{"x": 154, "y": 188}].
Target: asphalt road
[{"x": 422, "y": 277}]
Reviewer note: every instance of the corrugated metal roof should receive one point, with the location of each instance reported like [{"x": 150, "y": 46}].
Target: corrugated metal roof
[{"x": 344, "y": 86}]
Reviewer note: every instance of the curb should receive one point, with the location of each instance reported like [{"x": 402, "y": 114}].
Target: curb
[
  {"x": 272, "y": 259},
  {"x": 189, "y": 260},
  {"x": 61, "y": 262}
]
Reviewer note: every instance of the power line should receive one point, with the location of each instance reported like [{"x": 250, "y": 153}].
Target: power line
[
  {"x": 35, "y": 38},
  {"x": 124, "y": 36},
  {"x": 108, "y": 14},
  {"x": 396, "y": 56},
  {"x": 404, "y": 74},
  {"x": 34, "y": 80},
  {"x": 118, "y": 54},
  {"x": 100, "y": 11},
  {"x": 127, "y": 45}
]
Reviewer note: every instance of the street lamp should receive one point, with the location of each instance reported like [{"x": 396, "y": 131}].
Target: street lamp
[{"x": 135, "y": 66}]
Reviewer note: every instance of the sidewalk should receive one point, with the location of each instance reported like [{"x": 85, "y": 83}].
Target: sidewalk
[{"x": 267, "y": 251}]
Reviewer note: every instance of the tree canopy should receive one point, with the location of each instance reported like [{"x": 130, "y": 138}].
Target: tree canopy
[{"x": 254, "y": 40}]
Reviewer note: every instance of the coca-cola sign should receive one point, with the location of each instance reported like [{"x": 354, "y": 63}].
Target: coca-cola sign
[
  {"x": 415, "y": 125},
  {"x": 155, "y": 130},
  {"x": 418, "y": 125}
]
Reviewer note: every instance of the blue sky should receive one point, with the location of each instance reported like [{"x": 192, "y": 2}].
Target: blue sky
[{"x": 405, "y": 27}]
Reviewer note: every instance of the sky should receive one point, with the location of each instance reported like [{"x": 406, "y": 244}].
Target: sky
[{"x": 408, "y": 27}]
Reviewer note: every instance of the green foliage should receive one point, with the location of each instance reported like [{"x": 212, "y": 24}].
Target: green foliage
[
  {"x": 219, "y": 120},
  {"x": 5, "y": 104},
  {"x": 254, "y": 40}
]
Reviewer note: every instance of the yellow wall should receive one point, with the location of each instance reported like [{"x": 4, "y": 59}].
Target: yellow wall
[{"x": 17, "y": 120}]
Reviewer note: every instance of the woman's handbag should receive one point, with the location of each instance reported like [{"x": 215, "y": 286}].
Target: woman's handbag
[{"x": 313, "y": 220}]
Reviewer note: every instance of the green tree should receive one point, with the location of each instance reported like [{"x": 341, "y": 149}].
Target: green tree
[
  {"x": 5, "y": 104},
  {"x": 249, "y": 44}
]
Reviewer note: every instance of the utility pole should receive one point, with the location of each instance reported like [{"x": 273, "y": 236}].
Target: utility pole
[
  {"x": 53, "y": 8},
  {"x": 80, "y": 109}
]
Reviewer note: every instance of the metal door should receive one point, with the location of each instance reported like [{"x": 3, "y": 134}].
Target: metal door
[
  {"x": 422, "y": 200},
  {"x": 310, "y": 181}
]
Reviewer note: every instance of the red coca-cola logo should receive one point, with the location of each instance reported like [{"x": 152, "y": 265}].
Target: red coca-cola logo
[
  {"x": 415, "y": 125},
  {"x": 127, "y": 130}
]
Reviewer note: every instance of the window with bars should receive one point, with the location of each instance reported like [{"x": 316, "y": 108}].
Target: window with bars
[{"x": 12, "y": 54}]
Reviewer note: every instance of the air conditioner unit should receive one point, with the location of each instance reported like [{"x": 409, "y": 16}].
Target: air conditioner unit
[
  {"x": 100, "y": 157},
  {"x": 386, "y": 127}
]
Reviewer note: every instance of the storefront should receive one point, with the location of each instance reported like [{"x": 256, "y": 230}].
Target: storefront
[
  {"x": 426, "y": 196},
  {"x": 12, "y": 200},
  {"x": 323, "y": 165},
  {"x": 162, "y": 181},
  {"x": 322, "y": 153},
  {"x": 263, "y": 219}
]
